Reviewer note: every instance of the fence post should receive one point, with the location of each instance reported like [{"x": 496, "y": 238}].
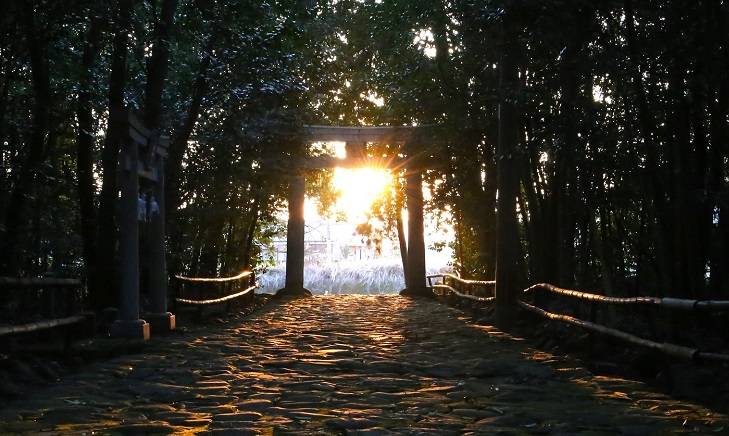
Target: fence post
[{"x": 591, "y": 334}]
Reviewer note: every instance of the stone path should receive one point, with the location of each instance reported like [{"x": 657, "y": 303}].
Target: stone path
[{"x": 355, "y": 365}]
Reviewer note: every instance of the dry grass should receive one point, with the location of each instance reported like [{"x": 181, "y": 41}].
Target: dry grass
[{"x": 380, "y": 276}]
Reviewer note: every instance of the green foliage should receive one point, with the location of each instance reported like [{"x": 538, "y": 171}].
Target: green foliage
[{"x": 623, "y": 127}]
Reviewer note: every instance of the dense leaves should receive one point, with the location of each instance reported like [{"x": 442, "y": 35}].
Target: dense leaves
[
  {"x": 622, "y": 124},
  {"x": 622, "y": 127}
]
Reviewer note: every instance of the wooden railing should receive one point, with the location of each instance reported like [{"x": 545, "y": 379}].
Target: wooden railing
[
  {"x": 475, "y": 290},
  {"x": 216, "y": 290},
  {"x": 454, "y": 287},
  {"x": 665, "y": 304},
  {"x": 43, "y": 303}
]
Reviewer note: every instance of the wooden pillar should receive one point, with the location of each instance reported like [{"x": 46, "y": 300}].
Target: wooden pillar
[
  {"x": 129, "y": 325},
  {"x": 416, "y": 282},
  {"x": 160, "y": 320},
  {"x": 295, "y": 240},
  {"x": 507, "y": 237}
]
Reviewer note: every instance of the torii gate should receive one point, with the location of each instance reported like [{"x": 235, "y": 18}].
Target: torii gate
[
  {"x": 356, "y": 139},
  {"x": 142, "y": 156}
]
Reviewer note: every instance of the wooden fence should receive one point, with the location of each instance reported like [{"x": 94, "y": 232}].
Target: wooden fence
[
  {"x": 35, "y": 304},
  {"x": 481, "y": 292}
]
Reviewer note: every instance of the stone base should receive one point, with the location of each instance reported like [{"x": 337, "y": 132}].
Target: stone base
[
  {"x": 423, "y": 291},
  {"x": 135, "y": 329},
  {"x": 293, "y": 293},
  {"x": 161, "y": 323}
]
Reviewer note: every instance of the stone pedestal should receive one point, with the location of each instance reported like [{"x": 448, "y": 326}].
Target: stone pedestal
[
  {"x": 130, "y": 329},
  {"x": 423, "y": 291},
  {"x": 161, "y": 323},
  {"x": 293, "y": 293}
]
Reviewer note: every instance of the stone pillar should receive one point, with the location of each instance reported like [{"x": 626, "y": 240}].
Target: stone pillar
[
  {"x": 416, "y": 282},
  {"x": 355, "y": 150},
  {"x": 507, "y": 224},
  {"x": 160, "y": 320},
  {"x": 295, "y": 240},
  {"x": 129, "y": 325}
]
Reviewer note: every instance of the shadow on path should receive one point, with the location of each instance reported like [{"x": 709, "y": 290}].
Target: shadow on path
[{"x": 346, "y": 364}]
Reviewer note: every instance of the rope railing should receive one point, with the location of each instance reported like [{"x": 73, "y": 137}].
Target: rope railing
[
  {"x": 679, "y": 304},
  {"x": 476, "y": 290},
  {"x": 459, "y": 294},
  {"x": 215, "y": 279},
  {"x": 461, "y": 280},
  {"x": 217, "y": 300},
  {"x": 666, "y": 303},
  {"x": 225, "y": 285}
]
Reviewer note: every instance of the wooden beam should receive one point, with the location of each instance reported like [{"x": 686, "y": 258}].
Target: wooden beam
[
  {"x": 398, "y": 134},
  {"x": 326, "y": 162}
]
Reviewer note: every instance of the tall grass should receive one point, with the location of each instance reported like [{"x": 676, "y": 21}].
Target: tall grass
[{"x": 379, "y": 276}]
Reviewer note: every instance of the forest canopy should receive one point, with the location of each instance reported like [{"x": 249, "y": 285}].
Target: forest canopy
[{"x": 620, "y": 122}]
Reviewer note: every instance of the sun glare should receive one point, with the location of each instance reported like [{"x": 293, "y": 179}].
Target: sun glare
[{"x": 360, "y": 188}]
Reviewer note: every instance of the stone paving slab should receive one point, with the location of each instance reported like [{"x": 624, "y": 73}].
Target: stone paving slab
[{"x": 353, "y": 365}]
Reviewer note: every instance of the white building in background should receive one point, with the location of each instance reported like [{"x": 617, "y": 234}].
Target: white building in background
[{"x": 327, "y": 242}]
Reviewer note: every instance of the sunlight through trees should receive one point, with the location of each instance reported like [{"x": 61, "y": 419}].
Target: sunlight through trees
[{"x": 620, "y": 166}]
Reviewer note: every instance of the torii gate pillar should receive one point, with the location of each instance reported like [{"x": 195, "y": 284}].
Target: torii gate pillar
[
  {"x": 415, "y": 272},
  {"x": 160, "y": 320},
  {"x": 295, "y": 241}
]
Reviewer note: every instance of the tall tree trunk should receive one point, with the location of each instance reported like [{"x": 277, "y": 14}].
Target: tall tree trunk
[
  {"x": 104, "y": 292},
  {"x": 255, "y": 215},
  {"x": 604, "y": 255},
  {"x": 211, "y": 248},
  {"x": 574, "y": 72},
  {"x": 182, "y": 135},
  {"x": 403, "y": 247},
  {"x": 718, "y": 103},
  {"x": 652, "y": 184},
  {"x": 533, "y": 207},
  {"x": 85, "y": 147},
  {"x": 719, "y": 280},
  {"x": 227, "y": 258},
  {"x": 17, "y": 202},
  {"x": 507, "y": 237},
  {"x": 489, "y": 213},
  {"x": 157, "y": 66}
]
